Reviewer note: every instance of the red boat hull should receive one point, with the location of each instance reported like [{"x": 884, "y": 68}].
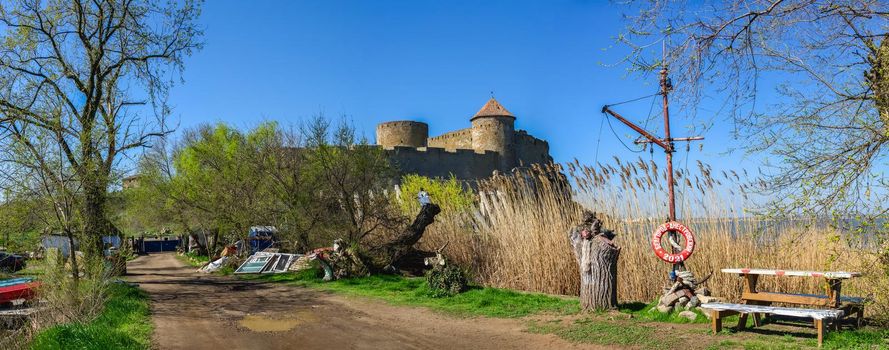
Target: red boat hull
[{"x": 18, "y": 291}]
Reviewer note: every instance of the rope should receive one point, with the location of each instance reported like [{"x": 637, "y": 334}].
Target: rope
[
  {"x": 618, "y": 137},
  {"x": 633, "y": 100},
  {"x": 599, "y": 139}
]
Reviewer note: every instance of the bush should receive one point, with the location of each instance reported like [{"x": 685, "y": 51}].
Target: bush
[
  {"x": 449, "y": 194},
  {"x": 446, "y": 280}
]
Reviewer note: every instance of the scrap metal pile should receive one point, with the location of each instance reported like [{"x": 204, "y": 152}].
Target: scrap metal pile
[{"x": 265, "y": 262}]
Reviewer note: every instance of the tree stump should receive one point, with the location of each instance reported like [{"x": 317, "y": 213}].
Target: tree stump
[{"x": 596, "y": 256}]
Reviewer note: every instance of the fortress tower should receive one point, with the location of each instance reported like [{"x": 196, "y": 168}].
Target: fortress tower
[
  {"x": 402, "y": 133},
  {"x": 493, "y": 129}
]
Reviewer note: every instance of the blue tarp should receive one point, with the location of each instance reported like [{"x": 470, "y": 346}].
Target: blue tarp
[{"x": 261, "y": 237}]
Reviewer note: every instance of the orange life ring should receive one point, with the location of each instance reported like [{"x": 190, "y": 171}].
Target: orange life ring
[{"x": 675, "y": 227}]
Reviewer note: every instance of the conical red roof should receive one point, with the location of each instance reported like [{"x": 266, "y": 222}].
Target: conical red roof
[{"x": 492, "y": 109}]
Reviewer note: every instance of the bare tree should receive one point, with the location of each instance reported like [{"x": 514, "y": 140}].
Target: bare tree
[
  {"x": 80, "y": 70},
  {"x": 354, "y": 174},
  {"x": 34, "y": 171},
  {"x": 824, "y": 63}
]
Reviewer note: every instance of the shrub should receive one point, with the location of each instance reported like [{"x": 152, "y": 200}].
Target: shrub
[
  {"x": 446, "y": 280},
  {"x": 449, "y": 194}
]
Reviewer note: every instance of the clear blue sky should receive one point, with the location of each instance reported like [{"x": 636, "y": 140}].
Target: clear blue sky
[{"x": 431, "y": 61}]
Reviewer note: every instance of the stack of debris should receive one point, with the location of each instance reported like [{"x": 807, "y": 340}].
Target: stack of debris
[
  {"x": 686, "y": 292},
  {"x": 267, "y": 262}
]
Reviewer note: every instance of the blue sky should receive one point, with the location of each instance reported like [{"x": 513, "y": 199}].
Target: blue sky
[{"x": 435, "y": 62}]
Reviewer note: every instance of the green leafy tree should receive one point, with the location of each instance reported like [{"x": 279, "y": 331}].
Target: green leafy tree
[
  {"x": 221, "y": 174},
  {"x": 73, "y": 73}
]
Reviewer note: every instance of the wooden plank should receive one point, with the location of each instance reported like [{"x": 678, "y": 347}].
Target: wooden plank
[
  {"x": 843, "y": 299},
  {"x": 785, "y": 311},
  {"x": 786, "y": 298},
  {"x": 773, "y": 272}
]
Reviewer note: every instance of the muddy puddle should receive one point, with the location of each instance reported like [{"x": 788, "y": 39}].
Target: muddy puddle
[{"x": 277, "y": 323}]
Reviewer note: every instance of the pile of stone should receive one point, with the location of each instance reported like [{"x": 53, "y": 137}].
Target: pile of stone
[{"x": 685, "y": 293}]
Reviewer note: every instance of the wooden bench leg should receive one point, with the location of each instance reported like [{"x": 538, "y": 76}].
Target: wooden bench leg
[
  {"x": 716, "y": 321},
  {"x": 859, "y": 317},
  {"x": 742, "y": 321},
  {"x": 819, "y": 328}
]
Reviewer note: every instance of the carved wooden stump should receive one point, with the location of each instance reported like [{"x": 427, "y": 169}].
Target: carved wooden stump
[{"x": 597, "y": 260}]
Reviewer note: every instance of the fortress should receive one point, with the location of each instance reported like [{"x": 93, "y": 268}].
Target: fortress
[{"x": 490, "y": 144}]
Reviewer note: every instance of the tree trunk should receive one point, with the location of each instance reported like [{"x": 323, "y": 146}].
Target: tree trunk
[
  {"x": 597, "y": 258},
  {"x": 75, "y": 270},
  {"x": 95, "y": 225},
  {"x": 598, "y": 274},
  {"x": 390, "y": 254},
  {"x": 403, "y": 244},
  {"x": 194, "y": 244}
]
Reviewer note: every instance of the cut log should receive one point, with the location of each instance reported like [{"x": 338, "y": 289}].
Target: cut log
[{"x": 597, "y": 260}]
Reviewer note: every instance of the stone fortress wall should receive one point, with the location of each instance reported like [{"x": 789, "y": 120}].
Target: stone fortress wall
[{"x": 491, "y": 144}]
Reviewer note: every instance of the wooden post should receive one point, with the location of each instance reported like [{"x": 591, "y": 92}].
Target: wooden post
[
  {"x": 819, "y": 328},
  {"x": 833, "y": 292},
  {"x": 716, "y": 321},
  {"x": 749, "y": 287}
]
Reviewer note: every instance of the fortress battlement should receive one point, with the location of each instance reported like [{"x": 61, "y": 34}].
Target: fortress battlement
[
  {"x": 453, "y": 134},
  {"x": 490, "y": 144}
]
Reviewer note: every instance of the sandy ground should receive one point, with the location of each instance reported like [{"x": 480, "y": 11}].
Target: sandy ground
[{"x": 197, "y": 311}]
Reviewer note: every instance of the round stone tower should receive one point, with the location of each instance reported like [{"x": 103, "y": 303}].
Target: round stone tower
[
  {"x": 493, "y": 129},
  {"x": 402, "y": 133}
]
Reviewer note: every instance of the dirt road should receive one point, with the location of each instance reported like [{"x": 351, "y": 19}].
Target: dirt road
[{"x": 197, "y": 311}]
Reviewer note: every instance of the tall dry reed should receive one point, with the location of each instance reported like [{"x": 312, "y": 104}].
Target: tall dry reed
[{"x": 515, "y": 234}]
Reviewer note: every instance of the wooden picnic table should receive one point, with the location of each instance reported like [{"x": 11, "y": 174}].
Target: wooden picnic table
[{"x": 832, "y": 298}]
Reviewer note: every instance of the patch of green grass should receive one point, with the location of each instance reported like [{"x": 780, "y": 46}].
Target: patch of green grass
[
  {"x": 477, "y": 301},
  {"x": 603, "y": 332},
  {"x": 865, "y": 338},
  {"x": 194, "y": 259},
  {"x": 648, "y": 312},
  {"x": 123, "y": 324}
]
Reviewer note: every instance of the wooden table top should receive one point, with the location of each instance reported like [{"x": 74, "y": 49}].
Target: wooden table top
[{"x": 825, "y": 274}]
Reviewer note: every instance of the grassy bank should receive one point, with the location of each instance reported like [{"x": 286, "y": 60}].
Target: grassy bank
[
  {"x": 491, "y": 302},
  {"x": 514, "y": 234},
  {"x": 635, "y": 325},
  {"x": 124, "y": 324}
]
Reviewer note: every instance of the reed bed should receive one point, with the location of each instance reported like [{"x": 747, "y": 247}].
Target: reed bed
[{"x": 515, "y": 233}]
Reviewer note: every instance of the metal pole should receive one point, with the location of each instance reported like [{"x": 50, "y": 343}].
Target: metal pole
[
  {"x": 669, "y": 141},
  {"x": 672, "y": 198}
]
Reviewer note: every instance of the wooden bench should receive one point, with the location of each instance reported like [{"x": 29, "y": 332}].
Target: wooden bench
[
  {"x": 720, "y": 310},
  {"x": 851, "y": 306}
]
